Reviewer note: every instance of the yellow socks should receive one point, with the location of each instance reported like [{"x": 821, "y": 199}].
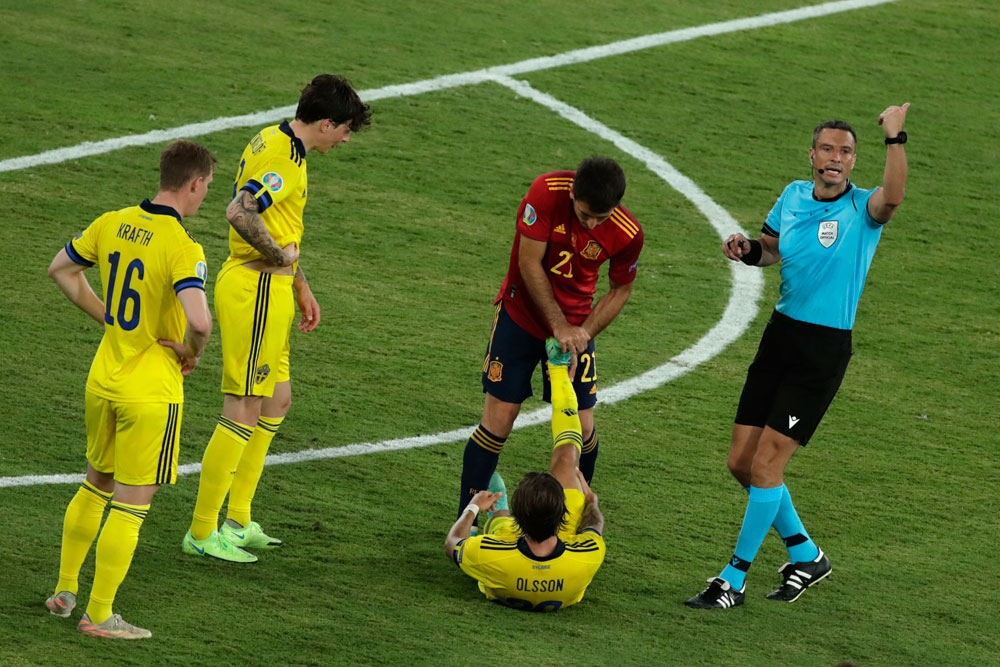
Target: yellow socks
[
  {"x": 249, "y": 470},
  {"x": 217, "y": 468},
  {"x": 80, "y": 526},
  {"x": 566, "y": 427},
  {"x": 114, "y": 555}
]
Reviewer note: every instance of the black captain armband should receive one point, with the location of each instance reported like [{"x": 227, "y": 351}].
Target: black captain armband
[{"x": 752, "y": 256}]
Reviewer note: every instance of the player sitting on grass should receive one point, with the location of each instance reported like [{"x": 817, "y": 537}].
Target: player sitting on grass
[{"x": 543, "y": 553}]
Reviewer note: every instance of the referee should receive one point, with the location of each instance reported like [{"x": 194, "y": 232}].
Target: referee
[{"x": 824, "y": 232}]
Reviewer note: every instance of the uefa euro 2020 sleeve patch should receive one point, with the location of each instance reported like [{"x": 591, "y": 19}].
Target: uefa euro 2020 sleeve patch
[
  {"x": 272, "y": 180},
  {"x": 529, "y": 216}
]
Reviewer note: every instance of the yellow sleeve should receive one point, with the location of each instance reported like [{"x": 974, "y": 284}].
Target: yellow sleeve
[
  {"x": 188, "y": 267},
  {"x": 273, "y": 181},
  {"x": 478, "y": 564},
  {"x": 83, "y": 248}
]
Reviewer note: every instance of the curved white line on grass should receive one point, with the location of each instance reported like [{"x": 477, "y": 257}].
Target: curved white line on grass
[
  {"x": 88, "y": 148},
  {"x": 747, "y": 282},
  {"x": 740, "y": 310}
]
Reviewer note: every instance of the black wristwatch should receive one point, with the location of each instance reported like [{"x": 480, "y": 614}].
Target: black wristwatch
[{"x": 898, "y": 139}]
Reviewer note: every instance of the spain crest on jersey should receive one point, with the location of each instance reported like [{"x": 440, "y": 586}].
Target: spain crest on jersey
[
  {"x": 592, "y": 251},
  {"x": 827, "y": 232},
  {"x": 262, "y": 373},
  {"x": 494, "y": 372}
]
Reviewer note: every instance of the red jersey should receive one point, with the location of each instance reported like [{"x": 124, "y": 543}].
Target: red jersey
[{"x": 573, "y": 256}]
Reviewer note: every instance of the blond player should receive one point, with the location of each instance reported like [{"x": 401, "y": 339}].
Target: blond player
[
  {"x": 543, "y": 553},
  {"x": 255, "y": 297},
  {"x": 154, "y": 315}
]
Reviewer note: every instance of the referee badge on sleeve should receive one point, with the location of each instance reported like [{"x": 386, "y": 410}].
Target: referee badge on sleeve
[{"x": 827, "y": 232}]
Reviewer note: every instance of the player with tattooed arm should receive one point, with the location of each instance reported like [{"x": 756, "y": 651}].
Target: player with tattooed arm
[{"x": 255, "y": 297}]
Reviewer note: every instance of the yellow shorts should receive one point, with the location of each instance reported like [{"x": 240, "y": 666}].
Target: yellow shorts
[
  {"x": 138, "y": 442},
  {"x": 255, "y": 312},
  {"x": 504, "y": 528}
]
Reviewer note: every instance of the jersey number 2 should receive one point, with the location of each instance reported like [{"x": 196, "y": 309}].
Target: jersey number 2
[
  {"x": 127, "y": 294},
  {"x": 566, "y": 257}
]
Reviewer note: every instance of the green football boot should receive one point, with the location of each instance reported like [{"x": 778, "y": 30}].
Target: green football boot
[
  {"x": 556, "y": 356},
  {"x": 216, "y": 546},
  {"x": 497, "y": 486},
  {"x": 250, "y": 536}
]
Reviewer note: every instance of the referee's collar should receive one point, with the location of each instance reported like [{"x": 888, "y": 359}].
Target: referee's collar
[
  {"x": 299, "y": 146},
  {"x": 850, "y": 186},
  {"x": 159, "y": 209},
  {"x": 522, "y": 546}
]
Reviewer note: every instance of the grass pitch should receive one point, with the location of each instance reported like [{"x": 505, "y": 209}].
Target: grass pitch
[{"x": 408, "y": 231}]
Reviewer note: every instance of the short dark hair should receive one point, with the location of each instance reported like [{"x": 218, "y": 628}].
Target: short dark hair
[
  {"x": 331, "y": 96},
  {"x": 539, "y": 505},
  {"x": 600, "y": 182},
  {"x": 834, "y": 125},
  {"x": 183, "y": 160}
]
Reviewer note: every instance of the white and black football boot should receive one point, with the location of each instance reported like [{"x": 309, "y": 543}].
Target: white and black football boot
[
  {"x": 718, "y": 595},
  {"x": 799, "y": 577}
]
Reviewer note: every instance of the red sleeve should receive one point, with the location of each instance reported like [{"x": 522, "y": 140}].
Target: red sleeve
[
  {"x": 534, "y": 218},
  {"x": 626, "y": 261}
]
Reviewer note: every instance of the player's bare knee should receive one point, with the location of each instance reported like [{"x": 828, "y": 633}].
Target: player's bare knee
[
  {"x": 277, "y": 407},
  {"x": 587, "y": 423},
  {"x": 740, "y": 469},
  {"x": 565, "y": 457},
  {"x": 499, "y": 416},
  {"x": 102, "y": 481},
  {"x": 768, "y": 468},
  {"x": 242, "y": 409}
]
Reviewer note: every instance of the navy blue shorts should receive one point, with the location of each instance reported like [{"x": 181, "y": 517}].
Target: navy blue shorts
[
  {"x": 792, "y": 381},
  {"x": 511, "y": 358}
]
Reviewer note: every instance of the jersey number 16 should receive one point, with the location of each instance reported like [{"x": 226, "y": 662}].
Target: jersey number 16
[{"x": 127, "y": 293}]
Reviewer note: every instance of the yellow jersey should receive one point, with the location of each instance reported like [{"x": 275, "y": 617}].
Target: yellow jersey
[
  {"x": 145, "y": 256},
  {"x": 273, "y": 170},
  {"x": 509, "y": 573}
]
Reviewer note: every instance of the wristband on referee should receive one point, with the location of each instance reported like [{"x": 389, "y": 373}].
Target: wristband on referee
[
  {"x": 752, "y": 256},
  {"x": 474, "y": 508}
]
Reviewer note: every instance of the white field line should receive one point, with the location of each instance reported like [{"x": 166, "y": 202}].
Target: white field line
[
  {"x": 258, "y": 118},
  {"x": 747, "y": 282},
  {"x": 746, "y": 289}
]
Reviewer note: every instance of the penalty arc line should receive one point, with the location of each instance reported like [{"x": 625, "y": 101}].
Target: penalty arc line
[
  {"x": 747, "y": 283},
  {"x": 260, "y": 118}
]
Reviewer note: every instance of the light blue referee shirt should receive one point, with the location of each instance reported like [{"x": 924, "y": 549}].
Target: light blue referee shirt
[{"x": 826, "y": 250}]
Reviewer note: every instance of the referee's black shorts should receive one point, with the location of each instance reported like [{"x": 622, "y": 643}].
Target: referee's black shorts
[{"x": 797, "y": 371}]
